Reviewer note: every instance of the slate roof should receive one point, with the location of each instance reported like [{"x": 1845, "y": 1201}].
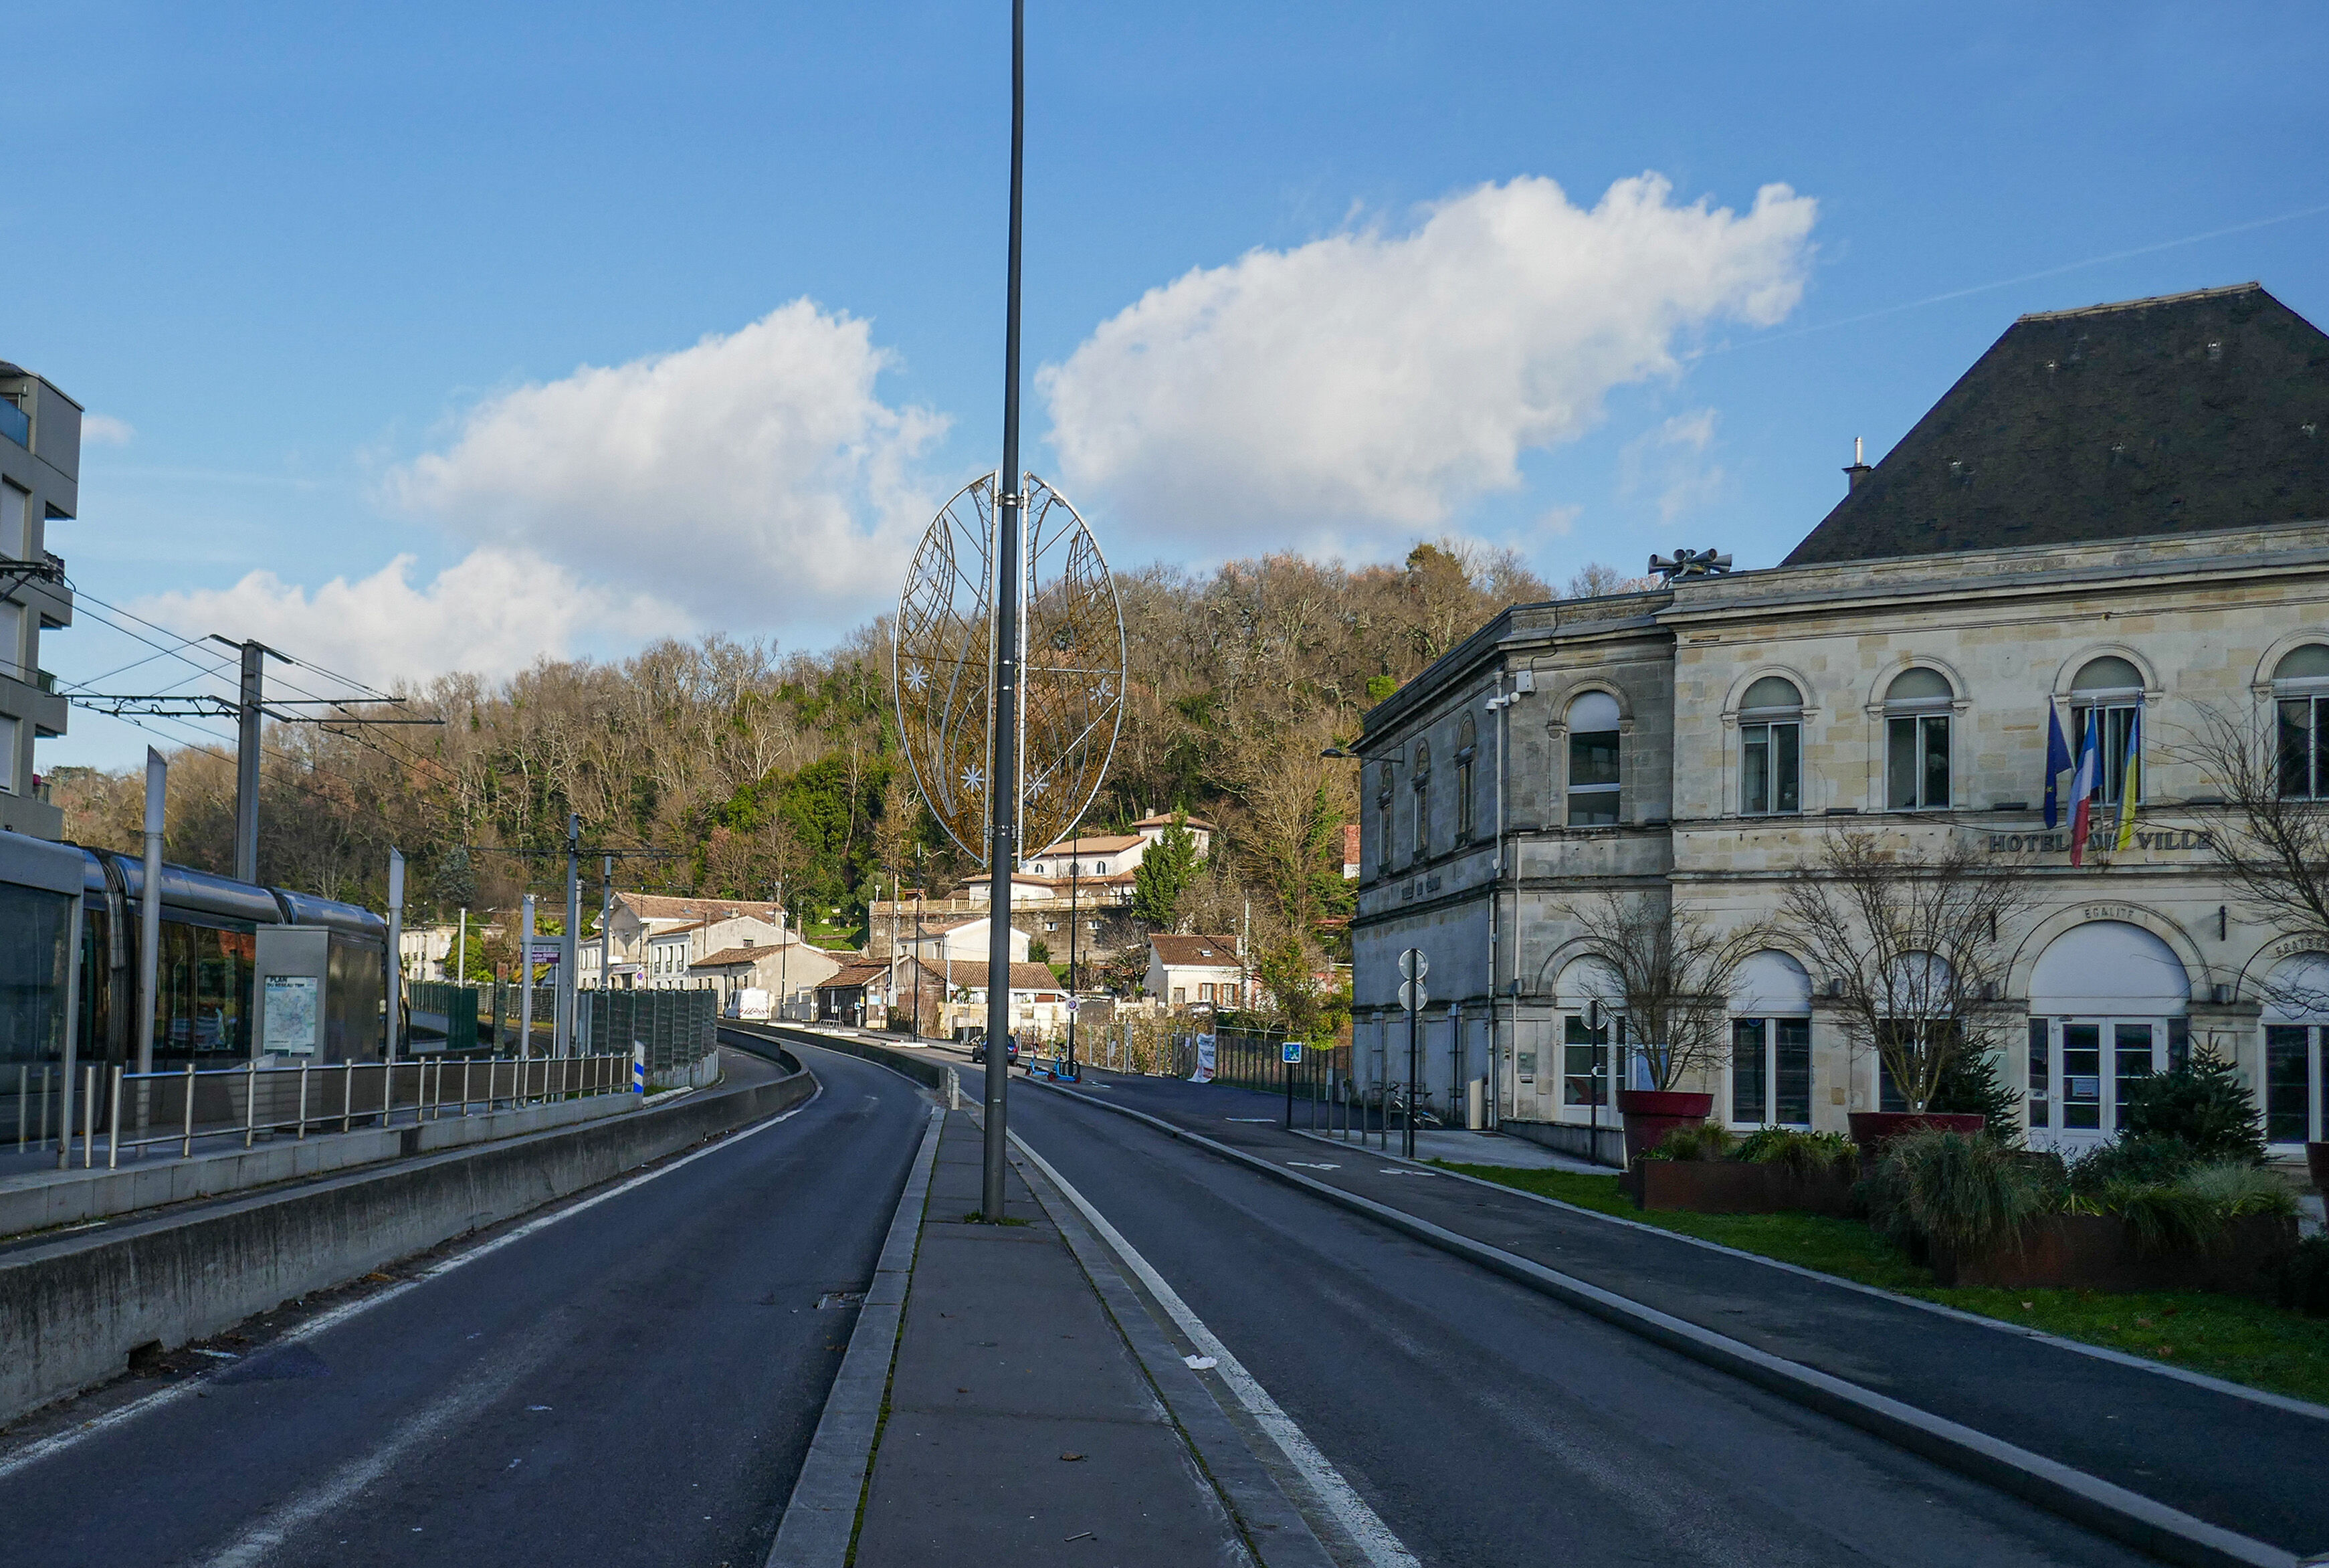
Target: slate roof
[{"x": 2184, "y": 414}]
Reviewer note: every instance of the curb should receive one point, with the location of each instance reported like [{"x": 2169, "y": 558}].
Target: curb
[
  {"x": 2129, "y": 1517},
  {"x": 820, "y": 1519}
]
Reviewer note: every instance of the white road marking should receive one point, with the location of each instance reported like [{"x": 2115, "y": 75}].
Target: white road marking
[
  {"x": 1334, "y": 1494},
  {"x": 33, "y": 1453},
  {"x": 276, "y": 1527}
]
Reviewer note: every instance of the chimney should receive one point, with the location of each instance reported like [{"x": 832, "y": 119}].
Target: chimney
[{"x": 1859, "y": 471}]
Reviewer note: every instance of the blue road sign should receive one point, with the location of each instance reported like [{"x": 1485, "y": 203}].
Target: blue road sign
[{"x": 1292, "y": 1052}]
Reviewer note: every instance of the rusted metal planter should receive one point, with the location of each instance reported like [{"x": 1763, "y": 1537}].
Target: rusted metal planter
[
  {"x": 1734, "y": 1186},
  {"x": 2100, "y": 1252}
]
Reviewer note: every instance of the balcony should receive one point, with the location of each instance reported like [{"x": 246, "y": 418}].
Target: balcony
[{"x": 16, "y": 423}]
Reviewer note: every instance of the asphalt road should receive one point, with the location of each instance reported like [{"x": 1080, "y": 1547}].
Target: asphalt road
[
  {"x": 634, "y": 1384},
  {"x": 1486, "y": 1424}
]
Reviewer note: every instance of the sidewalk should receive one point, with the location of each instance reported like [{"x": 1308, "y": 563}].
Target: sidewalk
[
  {"x": 1021, "y": 1429},
  {"x": 2250, "y": 1464}
]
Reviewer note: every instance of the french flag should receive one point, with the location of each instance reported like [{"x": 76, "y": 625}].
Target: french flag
[{"x": 2082, "y": 788}]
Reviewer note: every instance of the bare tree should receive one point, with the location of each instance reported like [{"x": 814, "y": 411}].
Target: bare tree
[
  {"x": 2272, "y": 837},
  {"x": 1670, "y": 974},
  {"x": 1908, "y": 946}
]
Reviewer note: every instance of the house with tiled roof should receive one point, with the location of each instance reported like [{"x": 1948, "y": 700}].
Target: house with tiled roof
[{"x": 1196, "y": 971}]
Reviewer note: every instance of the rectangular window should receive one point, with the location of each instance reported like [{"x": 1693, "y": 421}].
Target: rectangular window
[
  {"x": 2038, "y": 1078},
  {"x": 2116, "y": 725},
  {"x": 2305, "y": 748},
  {"x": 1585, "y": 1064},
  {"x": 1791, "y": 1072},
  {"x": 1463, "y": 818},
  {"x": 1204, "y": 993},
  {"x": 1916, "y": 762},
  {"x": 1180, "y": 995},
  {"x": 2288, "y": 1086},
  {"x": 8, "y": 728},
  {"x": 1593, "y": 779},
  {"x": 1770, "y": 769},
  {"x": 1748, "y": 1080},
  {"x": 1382, "y": 833},
  {"x": 2083, "y": 1076},
  {"x": 2130, "y": 1059}
]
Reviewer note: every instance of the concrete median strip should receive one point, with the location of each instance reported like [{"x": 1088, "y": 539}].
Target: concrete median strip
[
  {"x": 820, "y": 1519},
  {"x": 2110, "y": 1510}
]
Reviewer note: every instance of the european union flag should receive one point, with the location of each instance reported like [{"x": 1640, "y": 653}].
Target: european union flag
[{"x": 2057, "y": 762}]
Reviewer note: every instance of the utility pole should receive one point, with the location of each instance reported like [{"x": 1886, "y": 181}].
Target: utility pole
[
  {"x": 1003, "y": 769},
  {"x": 248, "y": 712},
  {"x": 568, "y": 980},
  {"x": 461, "y": 952},
  {"x": 918, "y": 891},
  {"x": 606, "y": 927},
  {"x": 149, "y": 926},
  {"x": 784, "y": 956},
  {"x": 1075, "y": 868},
  {"x": 525, "y": 980},
  {"x": 395, "y": 955}
]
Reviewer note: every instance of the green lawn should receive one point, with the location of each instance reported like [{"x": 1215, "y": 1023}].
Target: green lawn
[{"x": 2228, "y": 1336}]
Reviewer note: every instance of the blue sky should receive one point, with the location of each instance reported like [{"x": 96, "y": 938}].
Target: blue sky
[{"x": 334, "y": 271}]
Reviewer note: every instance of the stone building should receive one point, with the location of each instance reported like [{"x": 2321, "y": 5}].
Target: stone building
[{"x": 2121, "y": 510}]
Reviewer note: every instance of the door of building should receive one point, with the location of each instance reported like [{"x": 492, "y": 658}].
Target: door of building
[{"x": 2092, "y": 1066}]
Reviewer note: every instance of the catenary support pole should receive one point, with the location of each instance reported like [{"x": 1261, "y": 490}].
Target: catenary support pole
[
  {"x": 149, "y": 920},
  {"x": 248, "y": 718},
  {"x": 525, "y": 979},
  {"x": 569, "y": 979},
  {"x": 1003, "y": 770},
  {"x": 1414, "y": 1058},
  {"x": 607, "y": 925},
  {"x": 395, "y": 956}
]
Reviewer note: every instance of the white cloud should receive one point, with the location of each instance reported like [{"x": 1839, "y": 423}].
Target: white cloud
[
  {"x": 755, "y": 473},
  {"x": 105, "y": 431},
  {"x": 494, "y": 614},
  {"x": 1673, "y": 463},
  {"x": 1358, "y": 388}
]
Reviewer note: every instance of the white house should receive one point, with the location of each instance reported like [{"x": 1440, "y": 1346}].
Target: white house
[
  {"x": 958, "y": 940},
  {"x": 1197, "y": 971}
]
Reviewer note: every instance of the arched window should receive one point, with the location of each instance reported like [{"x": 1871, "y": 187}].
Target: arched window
[
  {"x": 1467, "y": 746},
  {"x": 1593, "y": 769},
  {"x": 1422, "y": 798},
  {"x": 2106, "y": 708},
  {"x": 1771, "y": 1042},
  {"x": 1917, "y": 741},
  {"x": 1383, "y": 818},
  {"x": 1771, "y": 748},
  {"x": 2300, "y": 690}
]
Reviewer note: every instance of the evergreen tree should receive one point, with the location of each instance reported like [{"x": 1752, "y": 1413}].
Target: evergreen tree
[
  {"x": 2203, "y": 1103},
  {"x": 1971, "y": 1084},
  {"x": 1164, "y": 874}
]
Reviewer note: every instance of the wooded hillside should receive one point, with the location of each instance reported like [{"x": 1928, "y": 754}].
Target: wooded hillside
[{"x": 753, "y": 769}]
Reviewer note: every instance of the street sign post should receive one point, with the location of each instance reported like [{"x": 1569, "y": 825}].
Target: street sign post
[
  {"x": 1289, "y": 1053},
  {"x": 1412, "y": 966}
]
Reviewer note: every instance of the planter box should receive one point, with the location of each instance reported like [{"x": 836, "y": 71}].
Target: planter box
[
  {"x": 1873, "y": 1130},
  {"x": 1651, "y": 1113},
  {"x": 1736, "y": 1186},
  {"x": 2099, "y": 1253}
]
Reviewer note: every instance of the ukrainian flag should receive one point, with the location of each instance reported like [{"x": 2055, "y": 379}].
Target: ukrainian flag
[{"x": 2131, "y": 782}]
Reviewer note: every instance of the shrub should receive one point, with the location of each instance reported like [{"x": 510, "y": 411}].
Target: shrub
[
  {"x": 2204, "y": 1103},
  {"x": 2235, "y": 1191},
  {"x": 2305, "y": 1278},
  {"x": 1969, "y": 1194},
  {"x": 2131, "y": 1161},
  {"x": 1972, "y": 1084},
  {"x": 1707, "y": 1141},
  {"x": 1800, "y": 1151}
]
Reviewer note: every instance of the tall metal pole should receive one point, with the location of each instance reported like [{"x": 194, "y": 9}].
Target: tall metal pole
[
  {"x": 606, "y": 927},
  {"x": 461, "y": 952},
  {"x": 1414, "y": 1056},
  {"x": 150, "y": 924},
  {"x": 1003, "y": 771},
  {"x": 245, "y": 766},
  {"x": 395, "y": 952},
  {"x": 568, "y": 979},
  {"x": 525, "y": 980},
  {"x": 1075, "y": 867}
]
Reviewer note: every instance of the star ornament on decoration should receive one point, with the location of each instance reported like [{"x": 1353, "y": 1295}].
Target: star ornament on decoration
[
  {"x": 974, "y": 779},
  {"x": 917, "y": 678}
]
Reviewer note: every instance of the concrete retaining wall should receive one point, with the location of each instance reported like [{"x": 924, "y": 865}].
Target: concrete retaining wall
[
  {"x": 51, "y": 1198},
  {"x": 762, "y": 1038},
  {"x": 73, "y": 1309}
]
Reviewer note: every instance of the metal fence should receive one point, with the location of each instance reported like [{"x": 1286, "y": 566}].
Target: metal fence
[
  {"x": 678, "y": 1029},
  {"x": 137, "y": 1111}
]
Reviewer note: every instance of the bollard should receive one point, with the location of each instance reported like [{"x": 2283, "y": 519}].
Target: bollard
[
  {"x": 186, "y": 1130},
  {"x": 113, "y": 1127},
  {"x": 303, "y": 1102},
  {"x": 249, "y": 1104},
  {"x": 638, "y": 1070}
]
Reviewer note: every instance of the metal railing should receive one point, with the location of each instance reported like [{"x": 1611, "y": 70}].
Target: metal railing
[{"x": 223, "y": 1102}]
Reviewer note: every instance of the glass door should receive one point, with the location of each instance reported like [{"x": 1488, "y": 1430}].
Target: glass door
[
  {"x": 2292, "y": 1088},
  {"x": 2082, "y": 1070}
]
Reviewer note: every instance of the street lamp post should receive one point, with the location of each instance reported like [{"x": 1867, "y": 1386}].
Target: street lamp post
[{"x": 1075, "y": 867}]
